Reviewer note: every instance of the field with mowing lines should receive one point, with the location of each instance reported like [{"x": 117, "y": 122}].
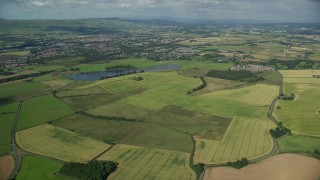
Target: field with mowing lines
[
  {"x": 142, "y": 163},
  {"x": 301, "y": 115},
  {"x": 247, "y": 138},
  {"x": 40, "y": 110},
  {"x": 259, "y": 94},
  {"x": 35, "y": 167},
  {"x": 298, "y": 144},
  {"x": 302, "y": 80},
  {"x": 299, "y": 73},
  {"x": 59, "y": 143}
]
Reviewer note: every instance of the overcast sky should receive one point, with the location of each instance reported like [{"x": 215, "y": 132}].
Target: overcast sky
[{"x": 270, "y": 10}]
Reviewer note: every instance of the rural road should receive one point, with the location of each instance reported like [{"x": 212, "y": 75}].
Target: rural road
[{"x": 14, "y": 145}]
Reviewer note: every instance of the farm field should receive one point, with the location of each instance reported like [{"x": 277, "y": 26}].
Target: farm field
[
  {"x": 59, "y": 143},
  {"x": 143, "y": 163},
  {"x": 300, "y": 76},
  {"x": 6, "y": 166},
  {"x": 299, "y": 144},
  {"x": 292, "y": 167},
  {"x": 6, "y": 121},
  {"x": 302, "y": 114},
  {"x": 127, "y": 132},
  {"x": 247, "y": 138},
  {"x": 36, "y": 167},
  {"x": 42, "y": 109}
]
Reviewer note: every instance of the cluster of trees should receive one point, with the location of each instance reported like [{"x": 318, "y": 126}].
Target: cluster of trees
[
  {"x": 121, "y": 67},
  {"x": 203, "y": 85},
  {"x": 239, "y": 164},
  {"x": 24, "y": 76},
  {"x": 95, "y": 170},
  {"x": 139, "y": 78},
  {"x": 279, "y": 131},
  {"x": 109, "y": 117},
  {"x": 122, "y": 74},
  {"x": 74, "y": 69},
  {"x": 287, "y": 96}
]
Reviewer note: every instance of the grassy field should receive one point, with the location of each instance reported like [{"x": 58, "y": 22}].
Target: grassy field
[
  {"x": 40, "y": 110},
  {"x": 6, "y": 121},
  {"x": 301, "y": 115},
  {"x": 20, "y": 90},
  {"x": 142, "y": 163},
  {"x": 300, "y": 76},
  {"x": 247, "y": 138},
  {"x": 59, "y": 143},
  {"x": 57, "y": 83},
  {"x": 126, "y": 132},
  {"x": 296, "y": 144},
  {"x": 35, "y": 167},
  {"x": 16, "y": 53}
]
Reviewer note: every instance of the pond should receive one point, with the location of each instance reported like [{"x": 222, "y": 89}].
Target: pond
[{"x": 93, "y": 76}]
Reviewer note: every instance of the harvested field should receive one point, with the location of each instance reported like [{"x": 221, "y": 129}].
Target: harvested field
[
  {"x": 284, "y": 166},
  {"x": 6, "y": 166},
  {"x": 142, "y": 163},
  {"x": 59, "y": 143},
  {"x": 247, "y": 138}
]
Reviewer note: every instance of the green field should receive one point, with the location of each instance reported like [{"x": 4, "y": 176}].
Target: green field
[
  {"x": 301, "y": 115},
  {"x": 7, "y": 116},
  {"x": 40, "y": 110},
  {"x": 59, "y": 143},
  {"x": 247, "y": 138},
  {"x": 16, "y": 53},
  {"x": 142, "y": 163},
  {"x": 34, "y": 167},
  {"x": 299, "y": 144}
]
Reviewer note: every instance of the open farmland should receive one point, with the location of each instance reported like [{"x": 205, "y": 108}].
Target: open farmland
[
  {"x": 7, "y": 115},
  {"x": 247, "y": 138},
  {"x": 142, "y": 163},
  {"x": 6, "y": 166},
  {"x": 59, "y": 143},
  {"x": 301, "y": 76},
  {"x": 284, "y": 166},
  {"x": 36, "y": 167},
  {"x": 301, "y": 115},
  {"x": 299, "y": 144},
  {"x": 40, "y": 110}
]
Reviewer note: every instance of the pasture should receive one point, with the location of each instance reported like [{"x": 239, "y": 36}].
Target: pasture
[
  {"x": 301, "y": 115},
  {"x": 36, "y": 167},
  {"x": 6, "y": 121},
  {"x": 299, "y": 144},
  {"x": 42, "y": 109},
  {"x": 59, "y": 143},
  {"x": 247, "y": 138},
  {"x": 143, "y": 163}
]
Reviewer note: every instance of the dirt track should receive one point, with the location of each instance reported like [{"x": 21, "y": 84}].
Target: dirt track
[{"x": 280, "y": 167}]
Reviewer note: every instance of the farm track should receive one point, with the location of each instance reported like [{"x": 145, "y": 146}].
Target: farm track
[
  {"x": 15, "y": 150},
  {"x": 275, "y": 150}
]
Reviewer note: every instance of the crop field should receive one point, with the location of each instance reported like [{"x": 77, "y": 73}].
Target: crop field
[
  {"x": 128, "y": 132},
  {"x": 40, "y": 110},
  {"x": 301, "y": 115},
  {"x": 259, "y": 94},
  {"x": 247, "y": 138},
  {"x": 142, "y": 163},
  {"x": 296, "y": 143},
  {"x": 299, "y": 73},
  {"x": 7, "y": 165},
  {"x": 82, "y": 92},
  {"x": 35, "y": 167},
  {"x": 59, "y": 143},
  {"x": 302, "y": 80},
  {"x": 57, "y": 83}
]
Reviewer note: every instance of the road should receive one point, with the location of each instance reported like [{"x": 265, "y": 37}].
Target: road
[{"x": 15, "y": 150}]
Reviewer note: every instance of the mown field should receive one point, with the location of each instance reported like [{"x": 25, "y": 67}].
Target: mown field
[
  {"x": 302, "y": 115},
  {"x": 247, "y": 138},
  {"x": 142, "y": 163},
  {"x": 300, "y": 76},
  {"x": 59, "y": 143},
  {"x": 42, "y": 109},
  {"x": 36, "y": 167}
]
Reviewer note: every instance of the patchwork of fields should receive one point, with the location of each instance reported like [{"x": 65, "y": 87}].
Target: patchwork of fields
[
  {"x": 142, "y": 163},
  {"x": 59, "y": 143},
  {"x": 247, "y": 138}
]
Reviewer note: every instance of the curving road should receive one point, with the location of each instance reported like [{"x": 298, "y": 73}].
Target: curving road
[{"x": 15, "y": 150}]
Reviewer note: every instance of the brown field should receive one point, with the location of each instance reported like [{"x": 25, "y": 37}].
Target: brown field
[
  {"x": 6, "y": 166},
  {"x": 284, "y": 167}
]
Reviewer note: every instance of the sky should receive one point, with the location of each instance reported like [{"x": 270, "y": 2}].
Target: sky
[{"x": 262, "y": 10}]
